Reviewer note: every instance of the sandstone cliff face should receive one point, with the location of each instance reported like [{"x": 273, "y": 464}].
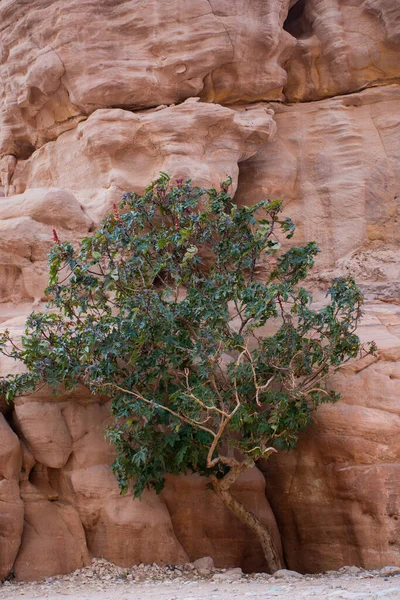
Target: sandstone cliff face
[
  {"x": 337, "y": 497},
  {"x": 336, "y": 164},
  {"x": 297, "y": 99}
]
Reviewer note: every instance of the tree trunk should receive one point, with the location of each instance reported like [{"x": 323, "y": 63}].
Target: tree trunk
[{"x": 222, "y": 489}]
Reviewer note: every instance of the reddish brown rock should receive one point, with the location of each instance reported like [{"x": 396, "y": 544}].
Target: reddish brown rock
[
  {"x": 84, "y": 89},
  {"x": 119, "y": 528},
  {"x": 334, "y": 164},
  {"x": 45, "y": 432},
  {"x": 336, "y": 497},
  {"x": 219, "y": 535},
  {"x": 53, "y": 540},
  {"x": 12, "y": 522},
  {"x": 86, "y": 420},
  {"x": 11, "y": 506},
  {"x": 63, "y": 500},
  {"x": 10, "y": 452}
]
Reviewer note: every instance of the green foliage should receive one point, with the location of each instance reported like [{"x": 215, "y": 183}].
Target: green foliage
[{"x": 183, "y": 309}]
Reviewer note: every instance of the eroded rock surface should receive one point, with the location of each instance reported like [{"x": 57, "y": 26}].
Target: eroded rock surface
[
  {"x": 116, "y": 150},
  {"x": 341, "y": 46},
  {"x": 62, "y": 60},
  {"x": 26, "y": 237},
  {"x": 219, "y": 535},
  {"x": 336, "y": 497},
  {"x": 96, "y": 98},
  {"x": 11, "y": 506},
  {"x": 71, "y": 183},
  {"x": 335, "y": 165}
]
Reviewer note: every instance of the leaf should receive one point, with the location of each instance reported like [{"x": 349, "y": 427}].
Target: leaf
[
  {"x": 273, "y": 245},
  {"x": 190, "y": 253}
]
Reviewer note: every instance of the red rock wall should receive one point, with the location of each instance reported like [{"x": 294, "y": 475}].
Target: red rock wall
[
  {"x": 295, "y": 99},
  {"x": 337, "y": 497}
]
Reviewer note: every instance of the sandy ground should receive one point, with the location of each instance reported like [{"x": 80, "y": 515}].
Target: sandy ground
[{"x": 346, "y": 587}]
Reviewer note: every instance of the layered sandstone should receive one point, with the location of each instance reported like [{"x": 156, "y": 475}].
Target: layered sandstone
[
  {"x": 342, "y": 46},
  {"x": 115, "y": 150},
  {"x": 62, "y": 60},
  {"x": 296, "y": 99},
  {"x": 335, "y": 165},
  {"x": 336, "y": 497}
]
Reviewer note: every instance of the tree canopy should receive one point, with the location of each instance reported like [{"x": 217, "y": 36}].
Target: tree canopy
[{"x": 183, "y": 308}]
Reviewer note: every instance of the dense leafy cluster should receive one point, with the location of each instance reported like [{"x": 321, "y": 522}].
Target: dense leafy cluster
[{"x": 183, "y": 309}]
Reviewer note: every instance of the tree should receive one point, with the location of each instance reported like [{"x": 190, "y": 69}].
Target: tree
[{"x": 164, "y": 310}]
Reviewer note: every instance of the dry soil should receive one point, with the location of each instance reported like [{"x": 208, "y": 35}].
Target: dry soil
[{"x": 88, "y": 584}]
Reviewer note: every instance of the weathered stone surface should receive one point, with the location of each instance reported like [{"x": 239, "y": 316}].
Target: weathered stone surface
[
  {"x": 26, "y": 223},
  {"x": 283, "y": 573},
  {"x": 335, "y": 165},
  {"x": 341, "y": 46},
  {"x": 10, "y": 452},
  {"x": 220, "y": 535},
  {"x": 51, "y": 207},
  {"x": 115, "y": 150},
  {"x": 74, "y": 509},
  {"x": 45, "y": 432},
  {"x": 118, "y": 527},
  {"x": 86, "y": 423},
  {"x": 84, "y": 89},
  {"x": 62, "y": 60},
  {"x": 112, "y": 521},
  {"x": 336, "y": 497},
  {"x": 229, "y": 575},
  {"x": 260, "y": 47},
  {"x": 389, "y": 571},
  {"x": 12, "y": 523},
  {"x": 205, "y": 562},
  {"x": 11, "y": 506},
  {"x": 53, "y": 540}
]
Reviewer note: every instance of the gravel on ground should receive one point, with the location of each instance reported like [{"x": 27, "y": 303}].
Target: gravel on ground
[{"x": 200, "y": 581}]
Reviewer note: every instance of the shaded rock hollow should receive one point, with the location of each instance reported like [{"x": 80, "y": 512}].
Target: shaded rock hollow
[{"x": 297, "y": 100}]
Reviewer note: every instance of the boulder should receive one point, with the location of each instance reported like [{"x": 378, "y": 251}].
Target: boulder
[
  {"x": 53, "y": 540},
  {"x": 284, "y": 573},
  {"x": 45, "y": 432},
  {"x": 119, "y": 528}
]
